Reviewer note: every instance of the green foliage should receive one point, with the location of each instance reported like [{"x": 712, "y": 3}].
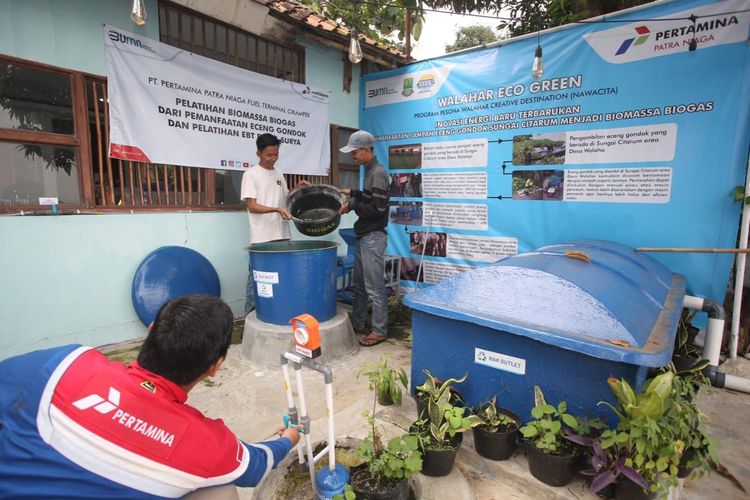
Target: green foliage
[
  {"x": 376, "y": 20},
  {"x": 659, "y": 424},
  {"x": 472, "y": 36},
  {"x": 385, "y": 380},
  {"x": 492, "y": 420},
  {"x": 547, "y": 430},
  {"x": 443, "y": 420},
  {"x": 347, "y": 495},
  {"x": 529, "y": 16},
  {"x": 388, "y": 465}
]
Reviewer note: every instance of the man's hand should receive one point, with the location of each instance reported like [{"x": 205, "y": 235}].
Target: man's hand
[
  {"x": 284, "y": 214},
  {"x": 344, "y": 208},
  {"x": 291, "y": 434},
  {"x": 346, "y": 191},
  {"x": 301, "y": 184}
]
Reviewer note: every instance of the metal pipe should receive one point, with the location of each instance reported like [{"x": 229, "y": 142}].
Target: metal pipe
[
  {"x": 305, "y": 420},
  {"x": 293, "y": 416}
]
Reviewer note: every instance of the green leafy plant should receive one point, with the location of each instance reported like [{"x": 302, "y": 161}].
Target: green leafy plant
[
  {"x": 546, "y": 431},
  {"x": 385, "y": 380},
  {"x": 435, "y": 390},
  {"x": 348, "y": 494},
  {"x": 661, "y": 429},
  {"x": 387, "y": 465},
  {"x": 492, "y": 420},
  {"x": 442, "y": 419}
]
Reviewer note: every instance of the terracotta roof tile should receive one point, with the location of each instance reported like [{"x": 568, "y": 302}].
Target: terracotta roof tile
[{"x": 303, "y": 14}]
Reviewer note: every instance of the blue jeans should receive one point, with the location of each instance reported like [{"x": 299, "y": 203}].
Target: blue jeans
[{"x": 368, "y": 280}]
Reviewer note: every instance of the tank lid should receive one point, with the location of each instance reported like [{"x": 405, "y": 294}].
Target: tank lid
[{"x": 595, "y": 297}]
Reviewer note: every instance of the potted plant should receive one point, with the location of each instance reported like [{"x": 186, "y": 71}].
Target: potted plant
[
  {"x": 645, "y": 435},
  {"x": 434, "y": 389},
  {"x": 385, "y": 380},
  {"x": 383, "y": 474},
  {"x": 441, "y": 424},
  {"x": 552, "y": 458},
  {"x": 607, "y": 467},
  {"x": 496, "y": 434}
]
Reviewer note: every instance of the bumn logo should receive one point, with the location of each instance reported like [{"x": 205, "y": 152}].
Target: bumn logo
[
  {"x": 99, "y": 403},
  {"x": 643, "y": 31}
]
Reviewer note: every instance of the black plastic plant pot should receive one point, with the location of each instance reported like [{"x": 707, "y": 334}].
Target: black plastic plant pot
[
  {"x": 684, "y": 468},
  {"x": 315, "y": 209},
  {"x": 555, "y": 470},
  {"x": 385, "y": 399},
  {"x": 497, "y": 445},
  {"x": 628, "y": 490},
  {"x": 438, "y": 463},
  {"x": 359, "y": 482}
]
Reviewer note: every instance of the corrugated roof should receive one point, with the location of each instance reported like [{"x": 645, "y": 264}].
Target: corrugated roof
[{"x": 303, "y": 16}]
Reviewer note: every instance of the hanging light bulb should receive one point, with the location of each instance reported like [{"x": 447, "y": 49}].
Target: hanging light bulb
[
  {"x": 138, "y": 12},
  {"x": 537, "y": 69},
  {"x": 355, "y": 51}
]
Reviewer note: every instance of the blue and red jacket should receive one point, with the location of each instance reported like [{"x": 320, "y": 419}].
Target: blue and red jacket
[{"x": 74, "y": 424}]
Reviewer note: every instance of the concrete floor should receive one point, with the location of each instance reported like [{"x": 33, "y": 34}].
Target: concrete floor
[{"x": 251, "y": 400}]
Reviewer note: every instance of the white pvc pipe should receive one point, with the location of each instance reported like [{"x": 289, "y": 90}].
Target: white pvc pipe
[
  {"x": 303, "y": 414},
  {"x": 691, "y": 302},
  {"x": 290, "y": 404},
  {"x": 737, "y": 383},
  {"x": 739, "y": 278},
  {"x": 321, "y": 453},
  {"x": 712, "y": 344},
  {"x": 331, "y": 436}
]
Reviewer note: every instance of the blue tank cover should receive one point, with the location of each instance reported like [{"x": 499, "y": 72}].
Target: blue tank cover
[{"x": 594, "y": 297}]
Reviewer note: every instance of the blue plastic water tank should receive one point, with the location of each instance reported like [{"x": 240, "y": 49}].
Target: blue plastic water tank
[
  {"x": 294, "y": 277},
  {"x": 564, "y": 321}
]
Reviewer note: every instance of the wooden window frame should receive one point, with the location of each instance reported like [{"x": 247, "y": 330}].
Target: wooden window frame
[{"x": 336, "y": 166}]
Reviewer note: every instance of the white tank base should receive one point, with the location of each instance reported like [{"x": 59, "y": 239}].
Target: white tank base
[{"x": 263, "y": 343}]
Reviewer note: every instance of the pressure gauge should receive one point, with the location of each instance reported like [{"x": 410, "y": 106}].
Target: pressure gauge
[{"x": 300, "y": 335}]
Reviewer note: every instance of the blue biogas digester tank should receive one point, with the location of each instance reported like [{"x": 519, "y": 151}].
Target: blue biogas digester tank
[
  {"x": 292, "y": 278},
  {"x": 563, "y": 317}
]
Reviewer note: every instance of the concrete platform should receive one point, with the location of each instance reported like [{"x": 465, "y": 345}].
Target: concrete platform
[
  {"x": 250, "y": 399},
  {"x": 262, "y": 343}
]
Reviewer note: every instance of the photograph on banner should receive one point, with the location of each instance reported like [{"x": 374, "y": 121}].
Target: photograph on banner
[
  {"x": 171, "y": 106},
  {"x": 406, "y": 156},
  {"x": 410, "y": 270},
  {"x": 406, "y": 185},
  {"x": 432, "y": 244},
  {"x": 539, "y": 149},
  {"x": 406, "y": 212},
  {"x": 538, "y": 184},
  {"x": 456, "y": 185}
]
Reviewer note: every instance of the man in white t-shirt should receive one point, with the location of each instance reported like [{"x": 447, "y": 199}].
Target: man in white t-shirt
[{"x": 264, "y": 190}]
